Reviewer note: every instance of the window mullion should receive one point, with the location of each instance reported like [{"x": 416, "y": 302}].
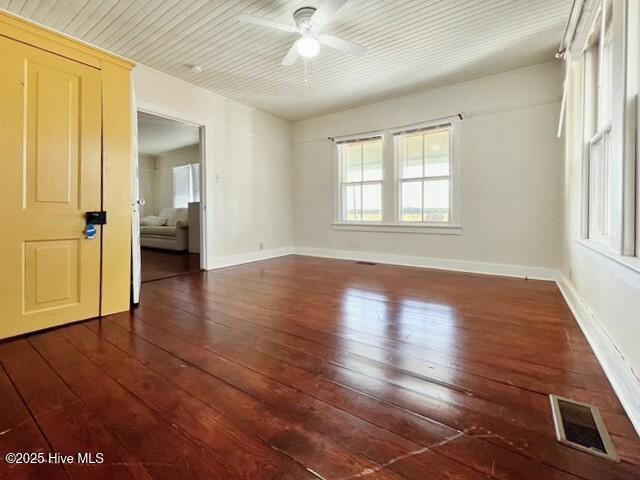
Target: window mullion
[
  {"x": 424, "y": 173},
  {"x": 361, "y": 183}
]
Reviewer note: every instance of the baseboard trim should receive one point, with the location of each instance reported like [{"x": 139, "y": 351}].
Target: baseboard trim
[
  {"x": 467, "y": 266},
  {"x": 241, "y": 258},
  {"x": 624, "y": 381}
]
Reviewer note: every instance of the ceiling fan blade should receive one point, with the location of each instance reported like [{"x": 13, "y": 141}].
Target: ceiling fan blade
[
  {"x": 267, "y": 23},
  {"x": 291, "y": 56},
  {"x": 326, "y": 11},
  {"x": 342, "y": 45}
]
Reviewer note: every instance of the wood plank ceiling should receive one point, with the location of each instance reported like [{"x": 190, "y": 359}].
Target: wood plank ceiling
[
  {"x": 413, "y": 45},
  {"x": 157, "y": 134}
]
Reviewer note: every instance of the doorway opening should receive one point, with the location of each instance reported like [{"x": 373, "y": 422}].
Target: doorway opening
[{"x": 171, "y": 196}]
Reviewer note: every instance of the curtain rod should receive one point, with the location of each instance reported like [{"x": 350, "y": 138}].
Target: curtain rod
[
  {"x": 377, "y": 133},
  {"x": 570, "y": 28}
]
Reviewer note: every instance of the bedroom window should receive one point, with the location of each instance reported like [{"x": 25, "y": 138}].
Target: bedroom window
[
  {"x": 360, "y": 163},
  {"x": 186, "y": 185},
  {"x": 404, "y": 180},
  {"x": 424, "y": 168},
  {"x": 598, "y": 99}
]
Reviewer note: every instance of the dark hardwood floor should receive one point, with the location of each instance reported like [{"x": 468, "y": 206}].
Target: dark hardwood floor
[
  {"x": 158, "y": 264},
  {"x": 306, "y": 368}
]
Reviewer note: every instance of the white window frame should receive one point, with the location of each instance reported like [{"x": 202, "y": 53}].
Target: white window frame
[
  {"x": 342, "y": 183},
  {"x": 622, "y": 243},
  {"x": 598, "y": 134},
  {"x": 453, "y": 176},
  {"x": 390, "y": 191}
]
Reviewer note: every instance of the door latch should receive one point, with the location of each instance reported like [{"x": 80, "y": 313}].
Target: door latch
[{"x": 97, "y": 218}]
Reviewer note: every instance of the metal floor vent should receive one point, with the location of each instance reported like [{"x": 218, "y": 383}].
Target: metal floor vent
[
  {"x": 366, "y": 263},
  {"x": 579, "y": 425}
]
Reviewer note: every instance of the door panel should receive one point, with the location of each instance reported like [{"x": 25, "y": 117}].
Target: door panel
[
  {"x": 50, "y": 270},
  {"x": 50, "y": 134}
]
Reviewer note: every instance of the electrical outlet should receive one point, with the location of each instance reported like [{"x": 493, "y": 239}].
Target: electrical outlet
[{"x": 260, "y": 245}]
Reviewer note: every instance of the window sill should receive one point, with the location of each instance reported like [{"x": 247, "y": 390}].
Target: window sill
[
  {"x": 429, "y": 229},
  {"x": 632, "y": 263}
]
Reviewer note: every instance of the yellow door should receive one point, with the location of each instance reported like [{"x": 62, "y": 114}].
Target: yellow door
[{"x": 50, "y": 175}]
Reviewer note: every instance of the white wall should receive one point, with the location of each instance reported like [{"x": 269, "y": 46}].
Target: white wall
[
  {"x": 247, "y": 150},
  {"x": 605, "y": 292},
  {"x": 512, "y": 168}
]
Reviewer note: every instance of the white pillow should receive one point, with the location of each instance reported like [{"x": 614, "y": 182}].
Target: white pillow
[
  {"x": 153, "y": 221},
  {"x": 170, "y": 214}
]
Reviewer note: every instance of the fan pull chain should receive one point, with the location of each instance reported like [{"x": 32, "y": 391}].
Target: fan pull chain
[{"x": 306, "y": 71}]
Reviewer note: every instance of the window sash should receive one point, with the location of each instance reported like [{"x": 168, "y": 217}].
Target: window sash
[
  {"x": 359, "y": 205},
  {"x": 424, "y": 178},
  {"x": 599, "y": 185},
  {"x": 360, "y": 209}
]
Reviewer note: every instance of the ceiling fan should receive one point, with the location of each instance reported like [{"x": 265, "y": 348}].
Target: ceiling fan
[{"x": 310, "y": 23}]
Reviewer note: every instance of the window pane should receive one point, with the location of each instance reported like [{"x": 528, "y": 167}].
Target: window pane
[
  {"x": 352, "y": 202},
  {"x": 411, "y": 202},
  {"x": 353, "y": 163},
  {"x": 182, "y": 191},
  {"x": 372, "y": 161},
  {"x": 436, "y": 200},
  {"x": 599, "y": 188},
  {"x": 437, "y": 148},
  {"x": 412, "y": 161},
  {"x": 372, "y": 202},
  {"x": 605, "y": 93}
]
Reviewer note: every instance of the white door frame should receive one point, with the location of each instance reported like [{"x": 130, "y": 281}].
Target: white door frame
[{"x": 204, "y": 170}]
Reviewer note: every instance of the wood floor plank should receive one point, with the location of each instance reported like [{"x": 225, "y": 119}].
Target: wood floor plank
[
  {"x": 455, "y": 410},
  {"x": 343, "y": 324},
  {"x": 301, "y": 367},
  {"x": 296, "y": 424},
  {"x": 163, "y": 451},
  {"x": 237, "y": 442},
  {"x": 158, "y": 264},
  {"x": 469, "y": 384},
  {"x": 64, "y": 419},
  {"x": 19, "y": 433},
  {"x": 465, "y": 377},
  {"x": 304, "y": 404}
]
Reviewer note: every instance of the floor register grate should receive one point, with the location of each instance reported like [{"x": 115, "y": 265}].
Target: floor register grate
[{"x": 579, "y": 425}]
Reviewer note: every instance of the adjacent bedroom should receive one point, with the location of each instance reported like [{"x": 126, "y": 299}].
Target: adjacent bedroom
[{"x": 169, "y": 158}]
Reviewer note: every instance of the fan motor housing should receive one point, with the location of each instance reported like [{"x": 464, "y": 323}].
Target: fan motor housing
[{"x": 302, "y": 16}]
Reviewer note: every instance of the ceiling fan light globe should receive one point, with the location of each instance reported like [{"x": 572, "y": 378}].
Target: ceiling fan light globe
[{"x": 308, "y": 46}]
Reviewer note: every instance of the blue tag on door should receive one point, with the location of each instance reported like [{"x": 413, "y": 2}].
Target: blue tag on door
[{"x": 90, "y": 232}]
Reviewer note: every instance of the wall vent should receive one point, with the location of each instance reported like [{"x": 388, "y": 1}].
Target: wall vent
[
  {"x": 365, "y": 263},
  {"x": 579, "y": 425}
]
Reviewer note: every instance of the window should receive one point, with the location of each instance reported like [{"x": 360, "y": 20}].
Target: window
[
  {"x": 186, "y": 185},
  {"x": 598, "y": 100},
  {"x": 424, "y": 170},
  {"x": 361, "y": 180},
  {"x": 401, "y": 180}
]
